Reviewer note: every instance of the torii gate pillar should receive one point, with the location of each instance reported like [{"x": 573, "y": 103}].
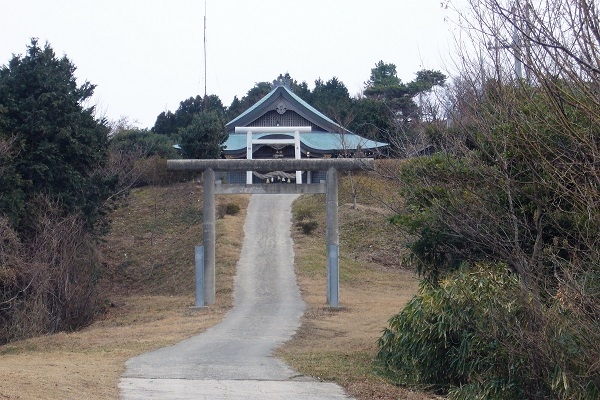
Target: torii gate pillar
[
  {"x": 209, "y": 237},
  {"x": 333, "y": 238}
]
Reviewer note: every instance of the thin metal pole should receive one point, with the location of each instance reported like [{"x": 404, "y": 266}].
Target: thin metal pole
[
  {"x": 199, "y": 258},
  {"x": 204, "y": 53}
]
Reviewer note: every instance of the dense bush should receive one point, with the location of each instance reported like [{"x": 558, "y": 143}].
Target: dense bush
[
  {"x": 57, "y": 145},
  {"x": 204, "y": 136},
  {"x": 143, "y": 143},
  {"x": 47, "y": 284},
  {"x": 515, "y": 183},
  {"x": 232, "y": 209},
  {"x": 227, "y": 209},
  {"x": 466, "y": 337}
]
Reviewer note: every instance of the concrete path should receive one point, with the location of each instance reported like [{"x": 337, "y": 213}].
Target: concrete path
[{"x": 233, "y": 360}]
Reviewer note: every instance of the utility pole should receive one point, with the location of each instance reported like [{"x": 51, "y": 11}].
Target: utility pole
[{"x": 516, "y": 45}]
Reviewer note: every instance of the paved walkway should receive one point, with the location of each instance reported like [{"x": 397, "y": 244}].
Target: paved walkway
[{"x": 232, "y": 360}]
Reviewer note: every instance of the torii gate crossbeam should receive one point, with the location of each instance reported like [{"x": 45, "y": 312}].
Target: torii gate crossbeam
[{"x": 331, "y": 165}]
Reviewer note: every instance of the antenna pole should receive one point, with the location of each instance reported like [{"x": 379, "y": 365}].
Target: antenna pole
[{"x": 204, "y": 50}]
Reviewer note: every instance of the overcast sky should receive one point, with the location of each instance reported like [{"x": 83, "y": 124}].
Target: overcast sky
[{"x": 145, "y": 56}]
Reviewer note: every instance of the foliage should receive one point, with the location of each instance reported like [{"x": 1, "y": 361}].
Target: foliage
[
  {"x": 464, "y": 336},
  {"x": 168, "y": 123},
  {"x": 332, "y": 98},
  {"x": 143, "y": 142},
  {"x": 385, "y": 86},
  {"x": 437, "y": 341},
  {"x": 12, "y": 195},
  {"x": 232, "y": 209},
  {"x": 227, "y": 209},
  {"x": 383, "y": 78},
  {"x": 260, "y": 90},
  {"x": 389, "y": 112},
  {"x": 55, "y": 191},
  {"x": 373, "y": 119},
  {"x": 204, "y": 136},
  {"x": 433, "y": 187},
  {"x": 57, "y": 145},
  {"x": 495, "y": 197},
  {"x": 305, "y": 220}
]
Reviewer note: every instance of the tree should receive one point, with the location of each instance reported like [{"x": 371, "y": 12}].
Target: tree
[
  {"x": 204, "y": 136},
  {"x": 332, "y": 98},
  {"x": 12, "y": 196},
  {"x": 383, "y": 79},
  {"x": 390, "y": 104},
  {"x": 53, "y": 196},
  {"x": 301, "y": 90},
  {"x": 373, "y": 119},
  {"x": 260, "y": 90},
  {"x": 168, "y": 123},
  {"x": 57, "y": 143},
  {"x": 165, "y": 124}
]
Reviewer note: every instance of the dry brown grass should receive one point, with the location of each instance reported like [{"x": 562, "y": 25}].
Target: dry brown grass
[
  {"x": 148, "y": 295},
  {"x": 88, "y": 364}
]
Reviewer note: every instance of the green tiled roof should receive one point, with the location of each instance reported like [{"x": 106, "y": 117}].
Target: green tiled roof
[{"x": 319, "y": 141}]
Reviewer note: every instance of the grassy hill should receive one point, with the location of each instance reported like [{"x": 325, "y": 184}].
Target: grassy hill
[{"x": 148, "y": 286}]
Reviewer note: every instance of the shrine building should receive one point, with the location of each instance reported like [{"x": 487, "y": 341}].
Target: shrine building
[{"x": 282, "y": 125}]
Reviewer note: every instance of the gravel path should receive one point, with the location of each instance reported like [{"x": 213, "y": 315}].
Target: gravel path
[{"x": 233, "y": 360}]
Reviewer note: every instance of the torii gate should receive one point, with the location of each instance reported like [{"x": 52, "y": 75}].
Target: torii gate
[{"x": 205, "y": 282}]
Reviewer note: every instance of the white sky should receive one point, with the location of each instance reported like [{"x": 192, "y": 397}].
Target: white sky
[{"x": 145, "y": 56}]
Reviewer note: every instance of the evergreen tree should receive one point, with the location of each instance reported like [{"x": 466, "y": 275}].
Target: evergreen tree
[
  {"x": 385, "y": 86},
  {"x": 168, "y": 123},
  {"x": 204, "y": 136},
  {"x": 332, "y": 98},
  {"x": 165, "y": 123},
  {"x": 57, "y": 144}
]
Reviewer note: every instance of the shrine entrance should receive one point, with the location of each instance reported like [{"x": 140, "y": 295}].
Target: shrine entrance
[{"x": 205, "y": 257}]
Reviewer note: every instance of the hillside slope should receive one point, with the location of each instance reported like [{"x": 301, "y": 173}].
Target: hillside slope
[{"x": 148, "y": 285}]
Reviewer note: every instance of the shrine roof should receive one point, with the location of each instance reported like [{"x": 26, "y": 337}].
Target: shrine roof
[{"x": 302, "y": 107}]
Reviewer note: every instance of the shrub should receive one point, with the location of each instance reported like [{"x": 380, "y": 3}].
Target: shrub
[
  {"x": 474, "y": 336},
  {"x": 48, "y": 285},
  {"x": 305, "y": 220},
  {"x": 439, "y": 339},
  {"x": 226, "y": 209},
  {"x": 232, "y": 209},
  {"x": 308, "y": 226}
]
